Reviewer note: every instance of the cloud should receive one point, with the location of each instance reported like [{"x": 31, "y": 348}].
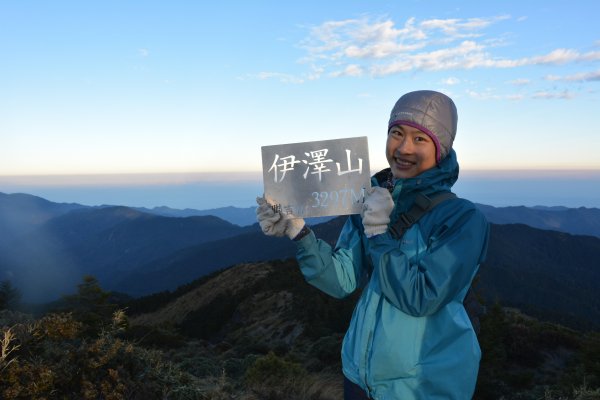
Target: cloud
[
  {"x": 143, "y": 52},
  {"x": 485, "y": 95},
  {"x": 489, "y": 94},
  {"x": 281, "y": 77},
  {"x": 580, "y": 77},
  {"x": 366, "y": 39},
  {"x": 362, "y": 39},
  {"x": 520, "y": 82},
  {"x": 564, "y": 56},
  {"x": 350, "y": 70},
  {"x": 565, "y": 95},
  {"x": 459, "y": 28},
  {"x": 466, "y": 55},
  {"x": 451, "y": 81},
  {"x": 380, "y": 47}
]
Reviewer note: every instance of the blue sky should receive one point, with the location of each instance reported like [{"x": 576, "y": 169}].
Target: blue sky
[{"x": 126, "y": 87}]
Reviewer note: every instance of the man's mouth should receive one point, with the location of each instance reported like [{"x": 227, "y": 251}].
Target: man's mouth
[{"x": 403, "y": 162}]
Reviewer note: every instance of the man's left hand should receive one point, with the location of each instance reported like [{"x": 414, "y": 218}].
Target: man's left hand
[{"x": 376, "y": 211}]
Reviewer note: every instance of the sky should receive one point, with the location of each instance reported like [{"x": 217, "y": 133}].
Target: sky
[{"x": 101, "y": 89}]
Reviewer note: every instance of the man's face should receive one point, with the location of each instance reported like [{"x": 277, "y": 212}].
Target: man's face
[{"x": 409, "y": 151}]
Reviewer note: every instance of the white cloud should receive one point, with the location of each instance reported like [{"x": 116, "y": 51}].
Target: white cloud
[
  {"x": 580, "y": 77},
  {"x": 466, "y": 55},
  {"x": 350, "y": 70},
  {"x": 143, "y": 52},
  {"x": 384, "y": 48},
  {"x": 553, "y": 78},
  {"x": 489, "y": 94},
  {"x": 558, "y": 56},
  {"x": 520, "y": 82},
  {"x": 379, "y": 47},
  {"x": 589, "y": 76},
  {"x": 451, "y": 81},
  {"x": 361, "y": 38},
  {"x": 590, "y": 56},
  {"x": 315, "y": 74},
  {"x": 565, "y": 95},
  {"x": 281, "y": 77},
  {"x": 380, "y": 50},
  {"x": 459, "y": 28},
  {"x": 485, "y": 95},
  {"x": 379, "y": 39}
]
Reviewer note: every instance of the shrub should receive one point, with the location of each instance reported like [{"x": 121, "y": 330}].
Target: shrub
[
  {"x": 273, "y": 377},
  {"x": 51, "y": 358}
]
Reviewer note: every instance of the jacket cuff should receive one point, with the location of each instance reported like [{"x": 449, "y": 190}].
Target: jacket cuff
[{"x": 303, "y": 232}]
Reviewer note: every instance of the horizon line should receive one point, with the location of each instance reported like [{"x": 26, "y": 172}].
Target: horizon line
[{"x": 181, "y": 178}]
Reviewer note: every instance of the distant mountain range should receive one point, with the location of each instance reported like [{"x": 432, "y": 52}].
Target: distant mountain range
[
  {"x": 235, "y": 215},
  {"x": 54, "y": 245},
  {"x": 46, "y": 248},
  {"x": 578, "y": 221}
]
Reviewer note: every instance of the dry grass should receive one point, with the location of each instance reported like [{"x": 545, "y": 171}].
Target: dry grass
[{"x": 230, "y": 280}]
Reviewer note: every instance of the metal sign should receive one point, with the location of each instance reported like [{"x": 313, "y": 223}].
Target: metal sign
[{"x": 315, "y": 179}]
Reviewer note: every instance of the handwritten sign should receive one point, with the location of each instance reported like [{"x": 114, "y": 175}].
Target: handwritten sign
[{"x": 315, "y": 179}]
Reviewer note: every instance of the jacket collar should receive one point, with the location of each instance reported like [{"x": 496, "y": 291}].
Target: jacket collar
[{"x": 437, "y": 179}]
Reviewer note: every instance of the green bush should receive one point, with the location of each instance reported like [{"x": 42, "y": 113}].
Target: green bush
[
  {"x": 273, "y": 377},
  {"x": 51, "y": 358}
]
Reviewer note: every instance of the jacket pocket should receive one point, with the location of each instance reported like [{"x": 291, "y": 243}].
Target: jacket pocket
[{"x": 396, "y": 346}]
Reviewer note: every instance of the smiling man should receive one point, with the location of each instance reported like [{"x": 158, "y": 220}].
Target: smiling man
[
  {"x": 409, "y": 151},
  {"x": 414, "y": 251}
]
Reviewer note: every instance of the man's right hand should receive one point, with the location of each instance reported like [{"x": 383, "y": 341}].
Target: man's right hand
[{"x": 273, "y": 223}]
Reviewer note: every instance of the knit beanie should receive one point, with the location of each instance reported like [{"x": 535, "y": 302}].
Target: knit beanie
[{"x": 431, "y": 112}]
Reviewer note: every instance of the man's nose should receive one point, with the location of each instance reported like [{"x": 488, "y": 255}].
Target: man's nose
[{"x": 405, "y": 146}]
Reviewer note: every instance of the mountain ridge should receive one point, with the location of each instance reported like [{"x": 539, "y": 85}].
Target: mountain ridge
[{"x": 550, "y": 272}]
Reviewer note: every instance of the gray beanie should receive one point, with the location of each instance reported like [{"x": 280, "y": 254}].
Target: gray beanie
[{"x": 431, "y": 112}]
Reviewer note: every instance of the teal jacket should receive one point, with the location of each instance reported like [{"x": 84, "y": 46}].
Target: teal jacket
[{"x": 410, "y": 336}]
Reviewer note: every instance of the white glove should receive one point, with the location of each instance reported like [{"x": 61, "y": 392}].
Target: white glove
[
  {"x": 274, "y": 224},
  {"x": 376, "y": 211}
]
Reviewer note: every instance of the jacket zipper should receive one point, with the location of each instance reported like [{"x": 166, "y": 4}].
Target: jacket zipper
[{"x": 367, "y": 351}]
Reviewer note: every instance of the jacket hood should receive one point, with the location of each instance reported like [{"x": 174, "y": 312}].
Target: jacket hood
[{"x": 439, "y": 178}]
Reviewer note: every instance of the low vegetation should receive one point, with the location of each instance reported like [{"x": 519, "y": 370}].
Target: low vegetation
[{"x": 274, "y": 337}]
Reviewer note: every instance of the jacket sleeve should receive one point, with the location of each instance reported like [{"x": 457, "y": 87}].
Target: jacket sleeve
[
  {"x": 336, "y": 272},
  {"x": 422, "y": 285}
]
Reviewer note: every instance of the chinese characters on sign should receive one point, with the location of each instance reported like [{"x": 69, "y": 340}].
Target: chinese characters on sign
[
  {"x": 317, "y": 165},
  {"x": 317, "y": 178}
]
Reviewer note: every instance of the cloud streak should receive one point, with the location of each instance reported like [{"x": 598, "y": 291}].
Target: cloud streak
[
  {"x": 378, "y": 48},
  {"x": 580, "y": 77},
  {"x": 565, "y": 95},
  {"x": 381, "y": 48}
]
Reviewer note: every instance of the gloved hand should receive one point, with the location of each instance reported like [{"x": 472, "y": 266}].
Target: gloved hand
[
  {"x": 376, "y": 211},
  {"x": 274, "y": 224}
]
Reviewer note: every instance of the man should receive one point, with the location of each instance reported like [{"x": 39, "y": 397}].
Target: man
[{"x": 410, "y": 336}]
